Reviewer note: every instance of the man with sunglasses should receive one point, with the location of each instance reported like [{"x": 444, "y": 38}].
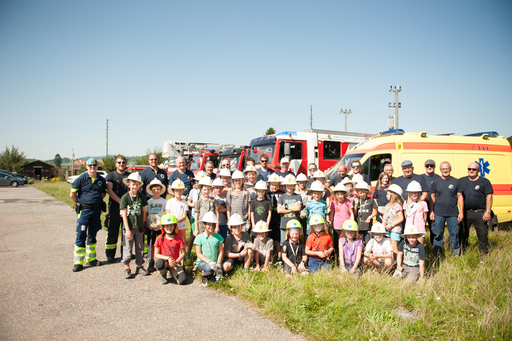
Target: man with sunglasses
[
  {"x": 477, "y": 193},
  {"x": 116, "y": 189},
  {"x": 264, "y": 171},
  {"x": 356, "y": 169},
  {"x": 430, "y": 176}
]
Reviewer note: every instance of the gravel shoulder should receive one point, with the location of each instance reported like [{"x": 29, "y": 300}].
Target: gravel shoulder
[{"x": 41, "y": 298}]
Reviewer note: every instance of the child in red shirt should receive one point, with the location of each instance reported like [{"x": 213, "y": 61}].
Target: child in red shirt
[
  {"x": 170, "y": 250},
  {"x": 319, "y": 245}
]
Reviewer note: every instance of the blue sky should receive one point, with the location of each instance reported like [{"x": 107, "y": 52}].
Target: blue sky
[{"x": 225, "y": 71}]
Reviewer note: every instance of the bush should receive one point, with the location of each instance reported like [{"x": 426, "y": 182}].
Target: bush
[
  {"x": 30, "y": 182},
  {"x": 44, "y": 180}
]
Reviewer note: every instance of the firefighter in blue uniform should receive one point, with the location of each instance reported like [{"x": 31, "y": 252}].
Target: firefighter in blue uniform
[{"x": 88, "y": 192}]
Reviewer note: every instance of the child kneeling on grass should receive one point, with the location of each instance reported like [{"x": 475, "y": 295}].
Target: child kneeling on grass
[
  {"x": 294, "y": 252},
  {"x": 412, "y": 253},
  {"x": 263, "y": 246},
  {"x": 170, "y": 250},
  {"x": 238, "y": 246},
  {"x": 319, "y": 245},
  {"x": 209, "y": 250},
  {"x": 378, "y": 251},
  {"x": 351, "y": 249}
]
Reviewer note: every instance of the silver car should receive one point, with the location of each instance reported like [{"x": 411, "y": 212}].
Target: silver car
[{"x": 72, "y": 179}]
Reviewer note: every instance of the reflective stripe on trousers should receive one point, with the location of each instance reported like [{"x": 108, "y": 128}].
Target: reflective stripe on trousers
[
  {"x": 91, "y": 253},
  {"x": 79, "y": 255}
]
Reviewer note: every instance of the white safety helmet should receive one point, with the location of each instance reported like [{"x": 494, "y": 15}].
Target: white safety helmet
[
  {"x": 260, "y": 227},
  {"x": 317, "y": 186},
  {"x": 378, "y": 228},
  {"x": 274, "y": 178},
  {"x": 289, "y": 180},
  {"x": 237, "y": 175},
  {"x": 235, "y": 219},
  {"x": 134, "y": 177},
  {"x": 340, "y": 188},
  {"x": 395, "y": 189},
  {"x": 218, "y": 182},
  {"x": 261, "y": 185},
  {"x": 209, "y": 217},
  {"x": 302, "y": 177},
  {"x": 414, "y": 186},
  {"x": 225, "y": 172},
  {"x": 178, "y": 184},
  {"x": 200, "y": 175},
  {"x": 411, "y": 230},
  {"x": 250, "y": 168},
  {"x": 205, "y": 181},
  {"x": 357, "y": 178},
  {"x": 363, "y": 185},
  {"x": 318, "y": 174},
  {"x": 346, "y": 181}
]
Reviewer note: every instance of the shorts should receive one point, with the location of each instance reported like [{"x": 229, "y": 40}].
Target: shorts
[
  {"x": 234, "y": 261},
  {"x": 411, "y": 273},
  {"x": 288, "y": 269},
  {"x": 395, "y": 236},
  {"x": 283, "y": 236},
  {"x": 348, "y": 267}
]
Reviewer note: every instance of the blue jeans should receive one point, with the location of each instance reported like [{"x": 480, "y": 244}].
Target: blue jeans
[
  {"x": 350, "y": 266},
  {"x": 205, "y": 267},
  {"x": 438, "y": 231},
  {"x": 315, "y": 264}
]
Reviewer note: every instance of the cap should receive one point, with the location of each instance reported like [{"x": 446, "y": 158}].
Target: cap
[
  {"x": 406, "y": 163},
  {"x": 91, "y": 161},
  {"x": 430, "y": 162},
  {"x": 285, "y": 159}
]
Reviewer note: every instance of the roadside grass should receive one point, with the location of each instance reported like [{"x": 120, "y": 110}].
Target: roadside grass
[{"x": 58, "y": 189}]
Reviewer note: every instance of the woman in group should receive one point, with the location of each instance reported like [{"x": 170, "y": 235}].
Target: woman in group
[{"x": 380, "y": 194}]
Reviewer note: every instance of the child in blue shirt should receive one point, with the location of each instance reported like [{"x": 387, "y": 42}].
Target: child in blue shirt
[{"x": 316, "y": 205}]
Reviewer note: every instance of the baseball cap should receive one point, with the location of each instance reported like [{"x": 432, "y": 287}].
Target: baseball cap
[
  {"x": 430, "y": 162},
  {"x": 406, "y": 163},
  {"x": 91, "y": 161},
  {"x": 285, "y": 159}
]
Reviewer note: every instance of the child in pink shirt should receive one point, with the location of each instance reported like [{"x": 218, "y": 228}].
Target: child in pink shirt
[
  {"x": 341, "y": 209},
  {"x": 415, "y": 210}
]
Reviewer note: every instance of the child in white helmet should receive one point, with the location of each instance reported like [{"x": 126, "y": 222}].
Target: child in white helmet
[
  {"x": 415, "y": 209},
  {"x": 178, "y": 207},
  {"x": 155, "y": 210},
  {"x": 209, "y": 249},
  {"x": 304, "y": 192},
  {"x": 263, "y": 246},
  {"x": 319, "y": 245},
  {"x": 274, "y": 193},
  {"x": 394, "y": 216},
  {"x": 206, "y": 203},
  {"x": 294, "y": 250},
  {"x": 170, "y": 250},
  {"x": 261, "y": 207},
  {"x": 238, "y": 199},
  {"x": 411, "y": 254},
  {"x": 365, "y": 211},
  {"x": 341, "y": 210},
  {"x": 222, "y": 206},
  {"x": 316, "y": 205},
  {"x": 351, "y": 195},
  {"x": 289, "y": 205},
  {"x": 238, "y": 249},
  {"x": 378, "y": 251}
]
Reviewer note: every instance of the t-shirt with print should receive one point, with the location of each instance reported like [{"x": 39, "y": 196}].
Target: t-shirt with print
[
  {"x": 263, "y": 247},
  {"x": 289, "y": 199},
  {"x": 365, "y": 209},
  {"x": 341, "y": 212},
  {"x": 414, "y": 214},
  {"x": 261, "y": 209},
  {"x": 239, "y": 202},
  {"x": 209, "y": 246},
  {"x": 155, "y": 210},
  {"x": 319, "y": 243},
  {"x": 475, "y": 192},
  {"x": 203, "y": 206},
  {"x": 446, "y": 196},
  {"x": 294, "y": 252},
  {"x": 231, "y": 243},
  {"x": 350, "y": 249},
  {"x": 314, "y": 207},
  {"x": 134, "y": 209},
  {"x": 178, "y": 208},
  {"x": 391, "y": 215},
  {"x": 89, "y": 191},
  {"x": 170, "y": 247},
  {"x": 379, "y": 249},
  {"x": 412, "y": 255}
]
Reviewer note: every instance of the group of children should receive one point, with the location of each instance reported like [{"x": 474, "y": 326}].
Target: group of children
[{"x": 235, "y": 221}]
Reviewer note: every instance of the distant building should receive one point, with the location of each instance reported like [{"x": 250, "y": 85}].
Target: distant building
[{"x": 37, "y": 170}]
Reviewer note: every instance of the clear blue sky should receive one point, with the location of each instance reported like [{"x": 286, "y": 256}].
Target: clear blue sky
[{"x": 225, "y": 71}]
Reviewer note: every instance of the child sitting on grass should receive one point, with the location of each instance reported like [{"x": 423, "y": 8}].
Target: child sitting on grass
[
  {"x": 238, "y": 249},
  {"x": 170, "y": 250},
  {"x": 378, "y": 251},
  {"x": 294, "y": 252},
  {"x": 412, "y": 254},
  {"x": 319, "y": 245},
  {"x": 351, "y": 249},
  {"x": 209, "y": 250},
  {"x": 263, "y": 246}
]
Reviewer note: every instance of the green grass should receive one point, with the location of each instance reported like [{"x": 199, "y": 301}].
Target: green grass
[{"x": 58, "y": 189}]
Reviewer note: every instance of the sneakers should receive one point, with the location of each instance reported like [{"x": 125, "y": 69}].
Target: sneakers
[
  {"x": 128, "y": 274},
  {"x": 163, "y": 279},
  {"x": 77, "y": 267},
  {"x": 204, "y": 280},
  {"x": 188, "y": 255},
  {"x": 94, "y": 263},
  {"x": 142, "y": 271}
]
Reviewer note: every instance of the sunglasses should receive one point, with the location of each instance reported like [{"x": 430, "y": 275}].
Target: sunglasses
[
  {"x": 356, "y": 166},
  {"x": 473, "y": 169},
  {"x": 429, "y": 166},
  {"x": 263, "y": 161},
  {"x": 153, "y": 159},
  {"x": 93, "y": 165},
  {"x": 312, "y": 169},
  {"x": 121, "y": 162}
]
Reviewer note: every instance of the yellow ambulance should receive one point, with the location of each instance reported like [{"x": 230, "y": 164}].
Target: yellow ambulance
[{"x": 491, "y": 151}]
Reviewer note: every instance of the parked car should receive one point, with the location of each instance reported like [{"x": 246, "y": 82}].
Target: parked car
[
  {"x": 72, "y": 179},
  {"x": 25, "y": 179},
  {"x": 9, "y": 180}
]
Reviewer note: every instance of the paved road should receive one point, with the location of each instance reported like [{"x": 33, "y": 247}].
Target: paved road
[{"x": 42, "y": 299}]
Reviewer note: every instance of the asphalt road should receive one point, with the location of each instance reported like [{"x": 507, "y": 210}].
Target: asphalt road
[{"x": 42, "y": 299}]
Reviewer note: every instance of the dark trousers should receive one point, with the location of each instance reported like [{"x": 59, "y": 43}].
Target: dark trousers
[
  {"x": 481, "y": 228},
  {"x": 113, "y": 230},
  {"x": 336, "y": 235}
]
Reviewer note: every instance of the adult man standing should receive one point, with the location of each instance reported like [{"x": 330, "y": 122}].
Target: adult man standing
[
  {"x": 285, "y": 164},
  {"x": 477, "y": 193},
  {"x": 445, "y": 194},
  {"x": 312, "y": 168},
  {"x": 87, "y": 192},
  {"x": 208, "y": 168},
  {"x": 356, "y": 169},
  {"x": 388, "y": 169},
  {"x": 342, "y": 174},
  {"x": 404, "y": 180},
  {"x": 116, "y": 189},
  {"x": 264, "y": 171},
  {"x": 184, "y": 175},
  {"x": 430, "y": 176}
]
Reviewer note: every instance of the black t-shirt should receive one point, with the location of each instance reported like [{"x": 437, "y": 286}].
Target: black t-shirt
[
  {"x": 283, "y": 175},
  {"x": 446, "y": 196},
  {"x": 294, "y": 252},
  {"x": 403, "y": 182},
  {"x": 365, "y": 209},
  {"x": 230, "y": 243},
  {"x": 336, "y": 180},
  {"x": 381, "y": 196},
  {"x": 475, "y": 192},
  {"x": 428, "y": 182},
  {"x": 118, "y": 186},
  {"x": 412, "y": 255},
  {"x": 261, "y": 209},
  {"x": 275, "y": 220}
]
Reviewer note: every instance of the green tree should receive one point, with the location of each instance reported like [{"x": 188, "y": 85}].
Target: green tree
[
  {"x": 82, "y": 169},
  {"x": 109, "y": 163},
  {"x": 57, "y": 160},
  {"x": 12, "y": 160},
  {"x": 143, "y": 160},
  {"x": 270, "y": 131}
]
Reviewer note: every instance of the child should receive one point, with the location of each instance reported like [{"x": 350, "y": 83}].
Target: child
[
  {"x": 218, "y": 187},
  {"x": 238, "y": 199},
  {"x": 351, "y": 249},
  {"x": 209, "y": 249},
  {"x": 320, "y": 176},
  {"x": 303, "y": 191},
  {"x": 178, "y": 207},
  {"x": 378, "y": 251},
  {"x": 238, "y": 248},
  {"x": 319, "y": 245},
  {"x": 133, "y": 211},
  {"x": 393, "y": 216},
  {"x": 341, "y": 210},
  {"x": 156, "y": 208},
  {"x": 366, "y": 211},
  {"x": 289, "y": 205},
  {"x": 250, "y": 173},
  {"x": 170, "y": 250},
  {"x": 317, "y": 204},
  {"x": 193, "y": 196},
  {"x": 263, "y": 246},
  {"x": 412, "y": 253},
  {"x": 205, "y": 204},
  {"x": 349, "y": 185},
  {"x": 274, "y": 194},
  {"x": 261, "y": 207},
  {"x": 225, "y": 176},
  {"x": 294, "y": 252},
  {"x": 415, "y": 209}
]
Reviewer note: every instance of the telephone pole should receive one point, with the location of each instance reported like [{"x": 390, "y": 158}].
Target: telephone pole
[
  {"x": 311, "y": 117},
  {"x": 107, "y": 140},
  {"x": 346, "y": 112},
  {"x": 397, "y": 104}
]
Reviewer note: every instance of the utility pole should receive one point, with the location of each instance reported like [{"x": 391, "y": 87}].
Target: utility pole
[
  {"x": 107, "y": 140},
  {"x": 346, "y": 112},
  {"x": 311, "y": 117},
  {"x": 397, "y": 104}
]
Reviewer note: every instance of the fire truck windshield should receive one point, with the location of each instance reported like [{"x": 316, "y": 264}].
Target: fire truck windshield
[{"x": 257, "y": 151}]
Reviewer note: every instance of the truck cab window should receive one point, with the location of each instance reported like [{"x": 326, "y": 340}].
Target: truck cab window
[
  {"x": 376, "y": 165},
  {"x": 295, "y": 151},
  {"x": 332, "y": 150}
]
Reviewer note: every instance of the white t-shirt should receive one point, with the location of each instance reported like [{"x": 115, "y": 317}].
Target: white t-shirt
[
  {"x": 381, "y": 248},
  {"x": 156, "y": 208},
  {"x": 178, "y": 208},
  {"x": 193, "y": 196}
]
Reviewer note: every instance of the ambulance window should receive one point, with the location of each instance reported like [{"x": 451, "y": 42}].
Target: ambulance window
[
  {"x": 295, "y": 151},
  {"x": 376, "y": 165},
  {"x": 332, "y": 150}
]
